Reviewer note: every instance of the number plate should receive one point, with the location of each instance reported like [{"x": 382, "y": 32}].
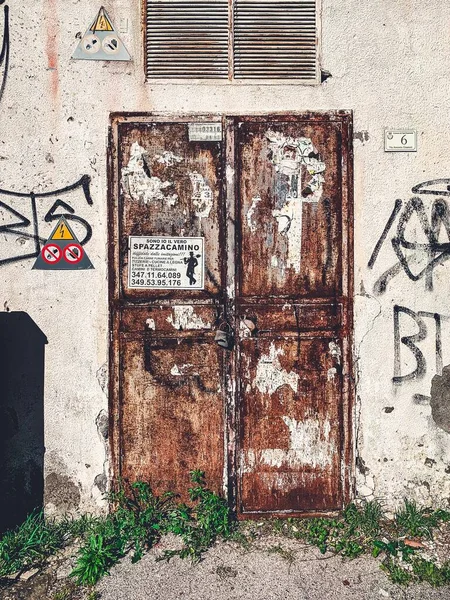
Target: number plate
[{"x": 400, "y": 140}]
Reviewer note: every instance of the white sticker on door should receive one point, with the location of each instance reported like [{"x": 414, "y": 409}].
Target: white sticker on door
[{"x": 166, "y": 262}]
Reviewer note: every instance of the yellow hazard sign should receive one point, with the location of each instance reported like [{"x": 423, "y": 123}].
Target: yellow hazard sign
[
  {"x": 62, "y": 232},
  {"x": 101, "y": 23}
]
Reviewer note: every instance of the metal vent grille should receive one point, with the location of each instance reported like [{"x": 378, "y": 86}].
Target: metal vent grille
[
  {"x": 275, "y": 40},
  {"x": 187, "y": 39}
]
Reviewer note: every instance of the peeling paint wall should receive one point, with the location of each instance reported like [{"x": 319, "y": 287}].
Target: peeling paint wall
[{"x": 54, "y": 114}]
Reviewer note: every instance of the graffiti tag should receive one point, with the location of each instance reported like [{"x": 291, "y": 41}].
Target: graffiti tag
[
  {"x": 20, "y": 216},
  {"x": 419, "y": 254}
]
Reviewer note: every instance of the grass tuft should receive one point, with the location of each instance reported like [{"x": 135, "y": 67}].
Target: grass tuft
[{"x": 31, "y": 543}]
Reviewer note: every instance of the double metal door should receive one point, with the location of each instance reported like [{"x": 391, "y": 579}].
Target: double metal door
[{"x": 230, "y": 298}]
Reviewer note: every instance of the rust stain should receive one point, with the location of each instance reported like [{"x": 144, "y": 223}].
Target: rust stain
[{"x": 51, "y": 45}]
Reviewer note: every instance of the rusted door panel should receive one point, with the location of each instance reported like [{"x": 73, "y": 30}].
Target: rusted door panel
[
  {"x": 290, "y": 424},
  {"x": 170, "y": 186},
  {"x": 172, "y": 411},
  {"x": 171, "y": 391},
  {"x": 290, "y": 209},
  {"x": 291, "y": 283}
]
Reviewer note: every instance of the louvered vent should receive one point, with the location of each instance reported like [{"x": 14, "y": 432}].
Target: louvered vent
[
  {"x": 275, "y": 40},
  {"x": 187, "y": 39}
]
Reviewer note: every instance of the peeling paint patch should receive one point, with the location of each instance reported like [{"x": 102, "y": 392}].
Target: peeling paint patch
[
  {"x": 138, "y": 183},
  {"x": 101, "y": 481},
  {"x": 335, "y": 352},
  {"x": 250, "y": 214},
  {"x": 202, "y": 196},
  {"x": 102, "y": 378},
  {"x": 169, "y": 159},
  {"x": 309, "y": 445},
  {"x": 289, "y": 155},
  {"x": 150, "y": 324},
  {"x": 269, "y": 374},
  {"x": 229, "y": 173},
  {"x": 185, "y": 318},
  {"x": 180, "y": 371},
  {"x": 331, "y": 374},
  {"x": 289, "y": 219},
  {"x": 362, "y": 136},
  {"x": 102, "y": 423}
]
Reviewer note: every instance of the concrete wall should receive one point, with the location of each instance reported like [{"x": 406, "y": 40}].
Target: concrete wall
[{"x": 390, "y": 64}]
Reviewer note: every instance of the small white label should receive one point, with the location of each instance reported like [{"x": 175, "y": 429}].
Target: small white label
[
  {"x": 205, "y": 132},
  {"x": 166, "y": 263},
  {"x": 400, "y": 140}
]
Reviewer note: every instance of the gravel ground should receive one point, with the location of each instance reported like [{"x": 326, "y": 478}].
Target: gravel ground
[{"x": 228, "y": 572}]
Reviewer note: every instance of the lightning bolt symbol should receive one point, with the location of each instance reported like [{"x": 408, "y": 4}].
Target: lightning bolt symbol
[{"x": 61, "y": 229}]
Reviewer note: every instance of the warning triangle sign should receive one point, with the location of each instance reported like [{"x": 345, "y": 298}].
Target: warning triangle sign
[
  {"x": 61, "y": 232},
  {"x": 102, "y": 22},
  {"x": 62, "y": 251},
  {"x": 101, "y": 42}
]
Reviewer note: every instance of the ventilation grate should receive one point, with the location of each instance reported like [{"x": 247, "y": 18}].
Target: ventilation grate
[
  {"x": 187, "y": 39},
  {"x": 275, "y": 40}
]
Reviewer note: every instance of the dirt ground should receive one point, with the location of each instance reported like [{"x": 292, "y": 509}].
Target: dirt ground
[{"x": 275, "y": 568}]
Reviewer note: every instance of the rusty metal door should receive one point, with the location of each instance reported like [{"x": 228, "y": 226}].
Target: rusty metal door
[{"x": 268, "y": 418}]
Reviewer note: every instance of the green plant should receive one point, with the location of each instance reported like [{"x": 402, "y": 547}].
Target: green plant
[
  {"x": 94, "y": 560},
  {"x": 428, "y": 571},
  {"x": 393, "y": 548},
  {"x": 396, "y": 573},
  {"x": 30, "y": 543},
  {"x": 200, "y": 526},
  {"x": 414, "y": 521},
  {"x": 367, "y": 518}
]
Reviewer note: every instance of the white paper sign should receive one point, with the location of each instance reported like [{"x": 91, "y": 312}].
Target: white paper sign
[
  {"x": 166, "y": 263},
  {"x": 205, "y": 132}
]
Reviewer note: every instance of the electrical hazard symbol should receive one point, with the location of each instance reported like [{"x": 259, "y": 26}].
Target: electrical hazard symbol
[
  {"x": 62, "y": 232},
  {"x": 101, "y": 42},
  {"x": 62, "y": 251},
  {"x": 102, "y": 22}
]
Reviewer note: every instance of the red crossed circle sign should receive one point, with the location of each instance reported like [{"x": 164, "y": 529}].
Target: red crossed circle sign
[
  {"x": 73, "y": 253},
  {"x": 51, "y": 253}
]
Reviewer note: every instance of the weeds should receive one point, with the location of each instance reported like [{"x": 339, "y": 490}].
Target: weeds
[
  {"x": 418, "y": 522},
  {"x": 30, "y": 544},
  {"x": 140, "y": 518},
  {"x": 201, "y": 526}
]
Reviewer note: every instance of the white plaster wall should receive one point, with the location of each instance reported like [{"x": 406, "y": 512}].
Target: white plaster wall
[{"x": 390, "y": 64}]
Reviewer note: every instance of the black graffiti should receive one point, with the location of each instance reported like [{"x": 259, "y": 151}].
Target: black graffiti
[
  {"x": 412, "y": 252},
  {"x": 411, "y": 341},
  {"x": 4, "y": 52},
  {"x": 25, "y": 228}
]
